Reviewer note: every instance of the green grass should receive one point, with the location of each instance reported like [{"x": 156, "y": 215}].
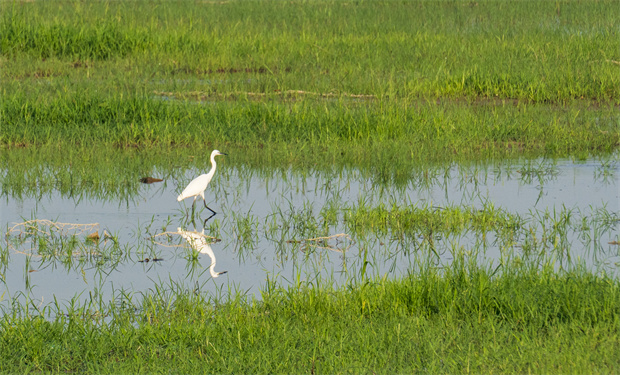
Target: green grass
[
  {"x": 407, "y": 219},
  {"x": 463, "y": 318},
  {"x": 427, "y": 129},
  {"x": 433, "y": 80},
  {"x": 542, "y": 51}
]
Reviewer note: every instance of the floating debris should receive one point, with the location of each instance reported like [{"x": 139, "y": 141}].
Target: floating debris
[
  {"x": 146, "y": 260},
  {"x": 323, "y": 242},
  {"x": 150, "y": 180},
  {"x": 39, "y": 225}
]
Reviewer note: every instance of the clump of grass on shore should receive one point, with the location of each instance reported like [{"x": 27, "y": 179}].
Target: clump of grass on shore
[{"x": 463, "y": 318}]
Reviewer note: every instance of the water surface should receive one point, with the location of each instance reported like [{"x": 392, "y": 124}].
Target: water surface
[{"x": 265, "y": 228}]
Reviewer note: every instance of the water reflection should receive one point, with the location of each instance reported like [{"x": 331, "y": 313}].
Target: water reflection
[{"x": 202, "y": 243}]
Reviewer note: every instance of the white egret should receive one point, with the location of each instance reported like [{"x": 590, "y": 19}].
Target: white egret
[
  {"x": 198, "y": 242},
  {"x": 198, "y": 185}
]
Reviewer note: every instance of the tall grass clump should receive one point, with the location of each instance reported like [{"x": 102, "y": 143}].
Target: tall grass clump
[
  {"x": 411, "y": 221},
  {"x": 23, "y": 33}
]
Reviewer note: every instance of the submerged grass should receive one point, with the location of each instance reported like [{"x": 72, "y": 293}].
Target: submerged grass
[
  {"x": 407, "y": 219},
  {"x": 463, "y": 318}
]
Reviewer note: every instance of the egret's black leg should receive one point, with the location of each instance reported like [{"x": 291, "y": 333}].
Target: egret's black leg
[
  {"x": 207, "y": 207},
  {"x": 204, "y": 223}
]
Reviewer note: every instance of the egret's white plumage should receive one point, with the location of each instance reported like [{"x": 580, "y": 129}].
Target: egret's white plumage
[{"x": 198, "y": 185}]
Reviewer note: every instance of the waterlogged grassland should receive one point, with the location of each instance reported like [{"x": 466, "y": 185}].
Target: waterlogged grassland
[
  {"x": 426, "y": 80},
  {"x": 282, "y": 230},
  {"x": 114, "y": 173},
  {"x": 96, "y": 95},
  {"x": 535, "y": 307}
]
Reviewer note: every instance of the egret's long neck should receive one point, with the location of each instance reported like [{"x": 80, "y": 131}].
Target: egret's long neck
[
  {"x": 207, "y": 250},
  {"x": 212, "y": 268},
  {"x": 213, "y": 165}
]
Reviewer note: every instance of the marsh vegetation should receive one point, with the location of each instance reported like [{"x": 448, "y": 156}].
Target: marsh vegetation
[{"x": 410, "y": 186}]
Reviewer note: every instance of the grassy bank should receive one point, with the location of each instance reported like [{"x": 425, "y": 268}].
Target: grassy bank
[{"x": 461, "y": 319}]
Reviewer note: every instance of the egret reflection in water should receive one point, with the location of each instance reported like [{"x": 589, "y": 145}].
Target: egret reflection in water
[{"x": 201, "y": 243}]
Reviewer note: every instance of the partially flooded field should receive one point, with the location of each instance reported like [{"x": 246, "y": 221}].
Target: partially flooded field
[
  {"x": 413, "y": 186},
  {"x": 315, "y": 226}
]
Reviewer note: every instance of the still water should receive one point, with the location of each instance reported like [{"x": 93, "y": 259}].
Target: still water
[{"x": 262, "y": 230}]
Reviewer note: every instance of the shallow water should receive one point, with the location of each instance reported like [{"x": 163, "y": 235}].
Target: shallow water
[{"x": 263, "y": 224}]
